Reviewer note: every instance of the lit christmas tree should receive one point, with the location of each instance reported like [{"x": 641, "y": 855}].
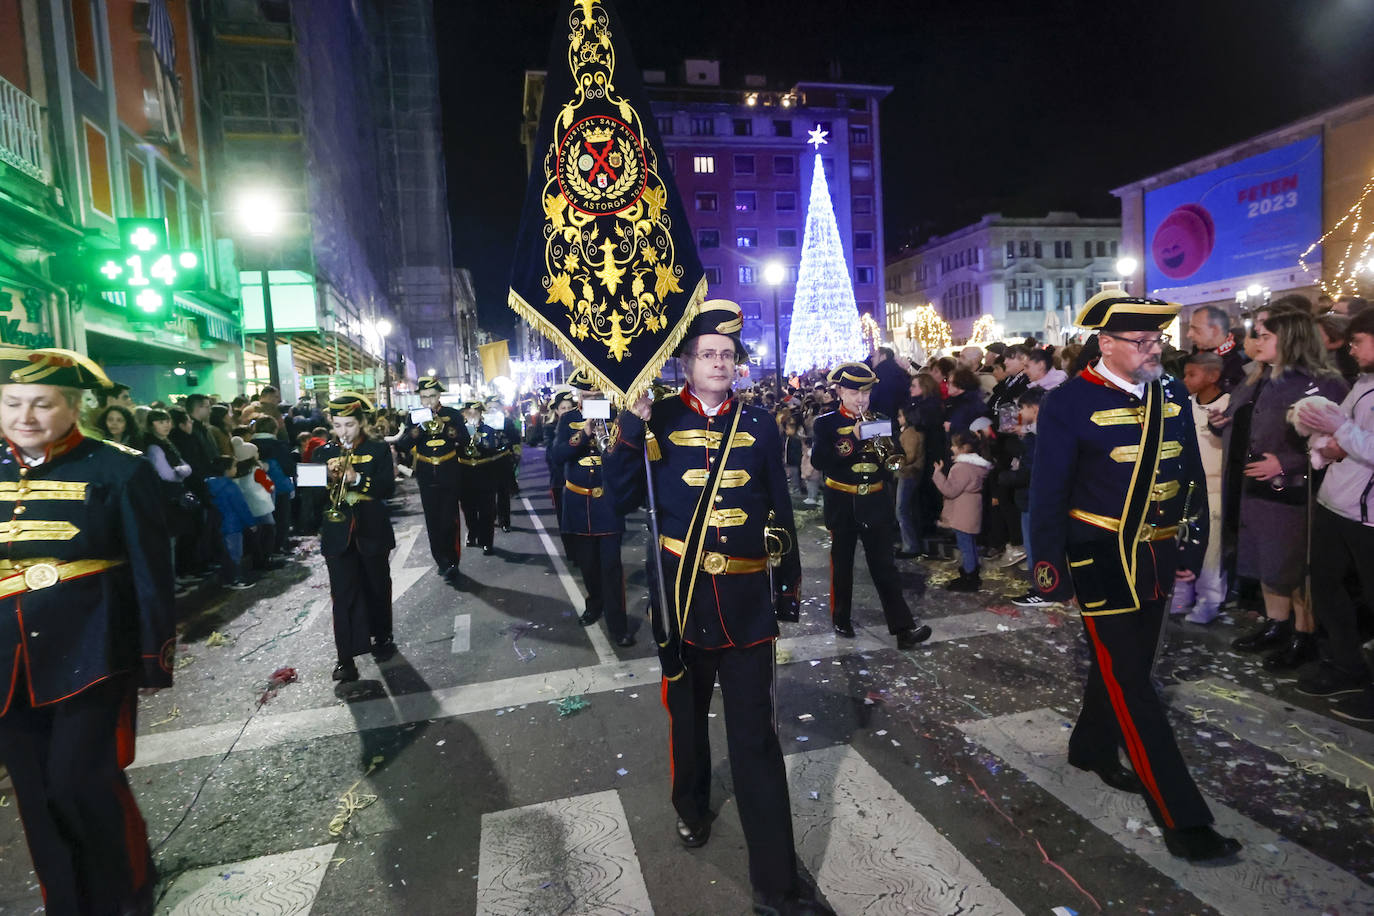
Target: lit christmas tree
[{"x": 825, "y": 321}]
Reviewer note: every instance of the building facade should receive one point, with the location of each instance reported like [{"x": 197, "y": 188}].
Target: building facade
[
  {"x": 742, "y": 164},
  {"x": 1026, "y": 273},
  {"x": 99, "y": 121}
]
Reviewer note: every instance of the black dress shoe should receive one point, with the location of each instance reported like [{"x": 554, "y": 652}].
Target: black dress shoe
[
  {"x": 913, "y": 637},
  {"x": 1116, "y": 776},
  {"x": 790, "y": 905},
  {"x": 693, "y": 838},
  {"x": 1301, "y": 649},
  {"x": 1270, "y": 634},
  {"x": 346, "y": 671},
  {"x": 472, "y": 542},
  {"x": 625, "y": 641},
  {"x": 506, "y": 528},
  {"x": 446, "y": 571},
  {"x": 384, "y": 650},
  {"x": 486, "y": 551},
  {"x": 905, "y": 555},
  {"x": 845, "y": 629},
  {"x": 587, "y": 618},
  {"x": 1200, "y": 844}
]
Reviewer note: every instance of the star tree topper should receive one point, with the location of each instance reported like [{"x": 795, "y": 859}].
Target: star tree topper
[{"x": 818, "y": 136}]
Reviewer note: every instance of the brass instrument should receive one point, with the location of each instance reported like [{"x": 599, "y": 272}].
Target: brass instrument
[
  {"x": 600, "y": 435},
  {"x": 337, "y": 469},
  {"x": 888, "y": 451},
  {"x": 471, "y": 451},
  {"x": 433, "y": 426}
]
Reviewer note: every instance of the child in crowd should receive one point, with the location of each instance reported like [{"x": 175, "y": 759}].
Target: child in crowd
[
  {"x": 1019, "y": 478},
  {"x": 235, "y": 518},
  {"x": 251, "y": 478},
  {"x": 792, "y": 453},
  {"x": 962, "y": 488},
  {"x": 1201, "y": 599}
]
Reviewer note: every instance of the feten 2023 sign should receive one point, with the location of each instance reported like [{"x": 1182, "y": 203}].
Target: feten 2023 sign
[{"x": 1245, "y": 218}]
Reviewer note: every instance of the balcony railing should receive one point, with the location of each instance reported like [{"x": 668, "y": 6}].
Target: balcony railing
[{"x": 21, "y": 131}]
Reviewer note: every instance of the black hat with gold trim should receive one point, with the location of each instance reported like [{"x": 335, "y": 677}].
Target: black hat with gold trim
[
  {"x": 474, "y": 405},
  {"x": 563, "y": 397},
  {"x": 350, "y": 404},
  {"x": 429, "y": 383},
  {"x": 582, "y": 380},
  {"x": 717, "y": 316},
  {"x": 1113, "y": 311},
  {"x": 857, "y": 376},
  {"x": 51, "y": 366}
]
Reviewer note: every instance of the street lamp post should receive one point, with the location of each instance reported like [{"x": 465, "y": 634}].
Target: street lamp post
[
  {"x": 260, "y": 215},
  {"x": 773, "y": 275},
  {"x": 384, "y": 331}
]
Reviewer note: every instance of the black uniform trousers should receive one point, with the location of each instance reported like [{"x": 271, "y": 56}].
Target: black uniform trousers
[
  {"x": 479, "y": 511},
  {"x": 442, "y": 525},
  {"x": 1122, "y": 708},
  {"x": 557, "y": 493},
  {"x": 878, "y": 540},
  {"x": 505, "y": 483},
  {"x": 756, "y": 767},
  {"x": 598, "y": 559},
  {"x": 87, "y": 838},
  {"x": 1341, "y": 548},
  {"x": 360, "y": 585}
]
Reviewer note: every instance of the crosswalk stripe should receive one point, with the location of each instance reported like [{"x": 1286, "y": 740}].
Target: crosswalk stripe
[
  {"x": 1272, "y": 875},
  {"x": 1308, "y": 740},
  {"x": 462, "y": 633},
  {"x": 573, "y": 855},
  {"x": 870, "y": 851},
  {"x": 284, "y": 884},
  {"x": 604, "y": 653}
]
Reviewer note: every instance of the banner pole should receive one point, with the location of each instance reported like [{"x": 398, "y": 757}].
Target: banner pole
[{"x": 654, "y": 549}]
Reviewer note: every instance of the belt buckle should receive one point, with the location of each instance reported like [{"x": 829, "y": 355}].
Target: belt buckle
[
  {"x": 40, "y": 575},
  {"x": 714, "y": 563},
  {"x": 1147, "y": 533},
  {"x": 862, "y": 489}
]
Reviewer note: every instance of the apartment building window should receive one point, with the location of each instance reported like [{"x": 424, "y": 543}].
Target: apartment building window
[
  {"x": 98, "y": 170},
  {"x": 785, "y": 201},
  {"x": 858, "y": 135},
  {"x": 746, "y": 201},
  {"x": 138, "y": 187},
  {"x": 421, "y": 343},
  {"x": 863, "y": 274},
  {"x": 751, "y": 310},
  {"x": 784, "y": 165},
  {"x": 863, "y": 206},
  {"x": 782, "y": 128},
  {"x": 861, "y": 169},
  {"x": 827, "y": 127},
  {"x": 787, "y": 238},
  {"x": 1114, "y": 248},
  {"x": 746, "y": 238},
  {"x": 1026, "y": 294},
  {"x": 665, "y": 125},
  {"x": 83, "y": 35},
  {"x": 829, "y": 165},
  {"x": 744, "y": 164},
  {"x": 744, "y": 127},
  {"x": 171, "y": 209},
  {"x": 1059, "y": 249},
  {"x": 791, "y": 274},
  {"x": 195, "y": 225},
  {"x": 712, "y": 275},
  {"x": 1039, "y": 250},
  {"x": 746, "y": 275},
  {"x": 707, "y": 201},
  {"x": 704, "y": 165},
  {"x": 708, "y": 238},
  {"x": 863, "y": 241},
  {"x": 1023, "y": 249},
  {"x": 703, "y": 127},
  {"x": 1063, "y": 293},
  {"x": 1011, "y": 251}
]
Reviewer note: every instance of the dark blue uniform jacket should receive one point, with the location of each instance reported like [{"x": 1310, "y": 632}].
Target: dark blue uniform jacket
[{"x": 588, "y": 507}]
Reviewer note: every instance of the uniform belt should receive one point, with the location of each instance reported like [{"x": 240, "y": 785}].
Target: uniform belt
[
  {"x": 32, "y": 575},
  {"x": 594, "y": 492},
  {"x": 717, "y": 564},
  {"x": 440, "y": 460},
  {"x": 1107, "y": 523},
  {"x": 353, "y": 497},
  {"x": 473, "y": 462},
  {"x": 860, "y": 489}
]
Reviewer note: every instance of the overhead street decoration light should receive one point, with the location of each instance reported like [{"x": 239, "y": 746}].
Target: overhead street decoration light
[{"x": 145, "y": 268}]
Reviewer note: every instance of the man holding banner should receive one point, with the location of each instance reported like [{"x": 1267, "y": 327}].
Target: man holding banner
[{"x": 606, "y": 269}]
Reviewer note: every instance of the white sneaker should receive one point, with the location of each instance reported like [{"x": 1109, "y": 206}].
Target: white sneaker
[
  {"x": 1031, "y": 599},
  {"x": 1203, "y": 615},
  {"x": 808, "y": 501},
  {"x": 1013, "y": 556}
]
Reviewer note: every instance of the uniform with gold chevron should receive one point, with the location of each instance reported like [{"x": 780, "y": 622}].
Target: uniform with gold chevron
[{"x": 605, "y": 264}]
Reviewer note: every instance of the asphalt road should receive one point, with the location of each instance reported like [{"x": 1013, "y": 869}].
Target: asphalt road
[{"x": 508, "y": 760}]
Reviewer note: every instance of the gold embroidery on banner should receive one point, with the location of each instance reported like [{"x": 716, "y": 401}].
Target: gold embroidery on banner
[
  {"x": 696, "y": 477},
  {"x": 1123, "y": 454},
  {"x": 34, "y": 530}
]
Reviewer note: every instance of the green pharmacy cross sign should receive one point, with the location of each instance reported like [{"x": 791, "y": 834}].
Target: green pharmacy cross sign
[{"x": 144, "y": 268}]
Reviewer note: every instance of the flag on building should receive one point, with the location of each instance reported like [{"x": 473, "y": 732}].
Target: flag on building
[{"x": 605, "y": 264}]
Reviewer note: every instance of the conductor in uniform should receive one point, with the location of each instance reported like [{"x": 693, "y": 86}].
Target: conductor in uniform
[
  {"x": 1116, "y": 492},
  {"x": 86, "y": 619},
  {"x": 356, "y": 537},
  {"x": 590, "y": 522},
  {"x": 858, "y": 506},
  {"x": 724, "y": 512},
  {"x": 435, "y": 447}
]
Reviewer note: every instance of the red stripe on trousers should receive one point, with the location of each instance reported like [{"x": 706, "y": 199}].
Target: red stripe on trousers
[
  {"x": 672, "y": 767},
  {"x": 1135, "y": 748}
]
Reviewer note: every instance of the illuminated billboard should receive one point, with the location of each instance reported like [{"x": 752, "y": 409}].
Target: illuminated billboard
[{"x": 1247, "y": 218}]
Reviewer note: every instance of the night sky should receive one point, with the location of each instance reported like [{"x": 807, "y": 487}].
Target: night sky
[{"x": 1017, "y": 107}]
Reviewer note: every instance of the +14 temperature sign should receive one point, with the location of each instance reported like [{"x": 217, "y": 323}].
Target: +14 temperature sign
[{"x": 144, "y": 268}]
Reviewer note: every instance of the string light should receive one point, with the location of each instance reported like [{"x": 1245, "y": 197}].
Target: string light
[
  {"x": 930, "y": 330},
  {"x": 873, "y": 334},
  {"x": 1358, "y": 256},
  {"x": 984, "y": 330}
]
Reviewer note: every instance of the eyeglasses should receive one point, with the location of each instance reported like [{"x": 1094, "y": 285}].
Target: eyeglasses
[
  {"x": 711, "y": 356},
  {"x": 1145, "y": 344}
]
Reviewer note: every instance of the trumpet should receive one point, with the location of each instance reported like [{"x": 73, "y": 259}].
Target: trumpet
[
  {"x": 433, "y": 426},
  {"x": 887, "y": 450},
  {"x": 337, "y": 469},
  {"x": 471, "y": 451},
  {"x": 600, "y": 435}
]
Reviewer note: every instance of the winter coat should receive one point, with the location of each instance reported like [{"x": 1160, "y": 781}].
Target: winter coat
[
  {"x": 912, "y": 442},
  {"x": 962, "y": 409},
  {"x": 258, "y": 497},
  {"x": 234, "y": 513},
  {"x": 962, "y": 488}
]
